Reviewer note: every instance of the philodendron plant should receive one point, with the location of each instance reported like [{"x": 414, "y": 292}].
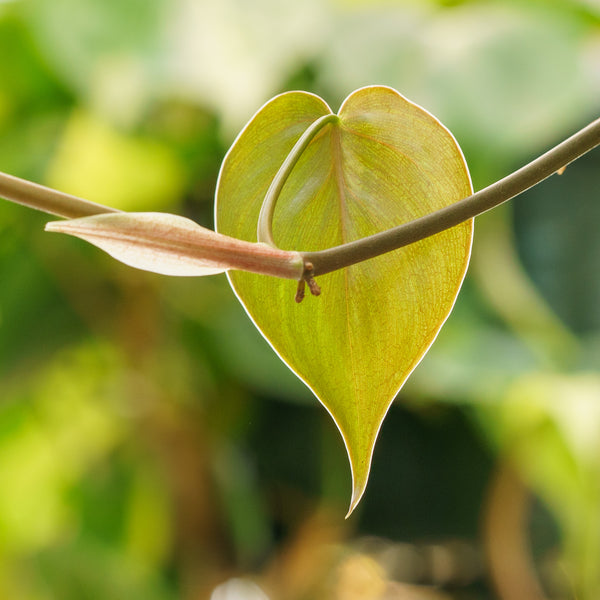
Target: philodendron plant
[{"x": 370, "y": 208}]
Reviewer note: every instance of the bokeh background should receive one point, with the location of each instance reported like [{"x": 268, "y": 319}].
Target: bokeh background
[{"x": 151, "y": 444}]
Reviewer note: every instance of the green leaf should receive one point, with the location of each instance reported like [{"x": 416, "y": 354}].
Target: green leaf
[{"x": 385, "y": 161}]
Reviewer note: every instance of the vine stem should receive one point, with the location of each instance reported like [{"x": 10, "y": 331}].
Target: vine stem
[
  {"x": 265, "y": 219},
  {"x": 48, "y": 200},
  {"x": 324, "y": 261},
  {"x": 555, "y": 160}
]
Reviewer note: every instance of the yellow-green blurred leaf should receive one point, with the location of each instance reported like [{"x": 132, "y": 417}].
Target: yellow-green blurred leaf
[
  {"x": 385, "y": 162},
  {"x": 61, "y": 426},
  {"x": 100, "y": 163}
]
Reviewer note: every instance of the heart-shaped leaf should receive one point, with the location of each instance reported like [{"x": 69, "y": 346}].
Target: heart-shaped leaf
[{"x": 384, "y": 162}]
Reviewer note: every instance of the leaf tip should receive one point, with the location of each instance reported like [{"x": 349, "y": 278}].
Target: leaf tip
[
  {"x": 357, "y": 494},
  {"x": 53, "y": 226},
  {"x": 360, "y": 470}
]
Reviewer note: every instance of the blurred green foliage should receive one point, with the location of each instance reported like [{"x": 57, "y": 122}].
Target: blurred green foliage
[{"x": 151, "y": 444}]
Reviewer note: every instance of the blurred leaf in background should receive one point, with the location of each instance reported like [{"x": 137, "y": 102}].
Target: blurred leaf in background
[{"x": 152, "y": 446}]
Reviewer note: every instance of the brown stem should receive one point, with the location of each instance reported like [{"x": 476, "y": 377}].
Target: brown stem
[
  {"x": 48, "y": 200},
  {"x": 554, "y": 160},
  {"x": 339, "y": 257},
  {"x": 507, "y": 544}
]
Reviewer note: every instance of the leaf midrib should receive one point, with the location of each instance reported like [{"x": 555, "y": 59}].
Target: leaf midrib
[{"x": 340, "y": 183}]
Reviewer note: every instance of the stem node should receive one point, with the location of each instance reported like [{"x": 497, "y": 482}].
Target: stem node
[{"x": 307, "y": 279}]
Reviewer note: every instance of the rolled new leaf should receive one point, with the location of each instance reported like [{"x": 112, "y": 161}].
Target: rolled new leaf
[{"x": 173, "y": 245}]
